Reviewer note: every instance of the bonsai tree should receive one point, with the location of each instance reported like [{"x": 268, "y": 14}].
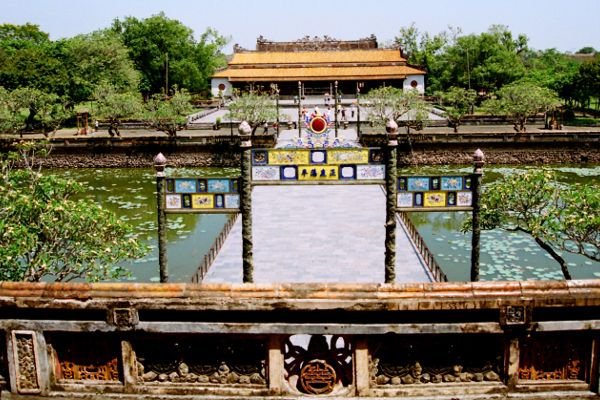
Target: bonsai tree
[
  {"x": 255, "y": 109},
  {"x": 519, "y": 101},
  {"x": 556, "y": 218},
  {"x": 388, "y": 102},
  {"x": 113, "y": 106},
  {"x": 45, "y": 233},
  {"x": 457, "y": 102},
  {"x": 169, "y": 115},
  {"x": 28, "y": 108}
]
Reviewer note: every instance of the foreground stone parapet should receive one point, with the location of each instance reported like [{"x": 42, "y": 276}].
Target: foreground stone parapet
[{"x": 536, "y": 339}]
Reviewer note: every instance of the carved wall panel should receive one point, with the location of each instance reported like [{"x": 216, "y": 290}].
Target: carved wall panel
[
  {"x": 26, "y": 364},
  {"x": 3, "y": 363},
  {"x": 407, "y": 360},
  {"x": 85, "y": 357},
  {"x": 318, "y": 364},
  {"x": 554, "y": 357},
  {"x": 203, "y": 360}
]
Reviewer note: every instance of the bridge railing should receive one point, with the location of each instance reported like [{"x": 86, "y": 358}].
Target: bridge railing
[
  {"x": 212, "y": 253},
  {"x": 531, "y": 340},
  {"x": 419, "y": 243}
]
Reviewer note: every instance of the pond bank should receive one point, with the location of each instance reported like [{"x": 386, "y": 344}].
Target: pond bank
[{"x": 228, "y": 157}]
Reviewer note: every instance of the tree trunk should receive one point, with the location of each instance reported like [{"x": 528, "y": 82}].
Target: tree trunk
[{"x": 563, "y": 264}]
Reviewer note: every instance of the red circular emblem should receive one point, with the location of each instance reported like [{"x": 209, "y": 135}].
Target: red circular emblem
[{"x": 318, "y": 125}]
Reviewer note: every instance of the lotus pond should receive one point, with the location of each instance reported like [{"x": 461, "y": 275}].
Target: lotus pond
[{"x": 130, "y": 193}]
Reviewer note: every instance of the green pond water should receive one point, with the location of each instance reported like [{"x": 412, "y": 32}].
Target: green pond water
[{"x": 130, "y": 193}]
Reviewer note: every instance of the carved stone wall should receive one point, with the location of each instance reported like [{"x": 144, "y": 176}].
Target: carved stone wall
[
  {"x": 202, "y": 360},
  {"x": 398, "y": 360},
  {"x": 320, "y": 365},
  {"x": 85, "y": 357},
  {"x": 26, "y": 367},
  {"x": 553, "y": 357},
  {"x": 3, "y": 363}
]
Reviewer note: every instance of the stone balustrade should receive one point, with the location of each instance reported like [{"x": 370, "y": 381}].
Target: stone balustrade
[{"x": 484, "y": 340}]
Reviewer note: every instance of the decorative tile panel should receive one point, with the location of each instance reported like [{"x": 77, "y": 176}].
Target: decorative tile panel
[
  {"x": 202, "y": 194},
  {"x": 318, "y": 165},
  {"x": 434, "y": 193}
]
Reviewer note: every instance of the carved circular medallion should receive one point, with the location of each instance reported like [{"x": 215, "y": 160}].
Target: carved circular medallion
[
  {"x": 318, "y": 125},
  {"x": 317, "y": 377}
]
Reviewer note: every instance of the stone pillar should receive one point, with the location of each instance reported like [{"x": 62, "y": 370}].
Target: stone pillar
[
  {"x": 276, "y": 365},
  {"x": 160, "y": 162},
  {"x": 391, "y": 174},
  {"x": 130, "y": 370},
  {"x": 246, "y": 202},
  {"x": 361, "y": 367},
  {"x": 478, "y": 161},
  {"x": 512, "y": 363}
]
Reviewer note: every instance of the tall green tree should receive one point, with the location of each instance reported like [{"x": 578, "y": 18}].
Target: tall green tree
[
  {"x": 483, "y": 62},
  {"x": 98, "y": 58},
  {"x": 425, "y": 51},
  {"x": 549, "y": 68},
  {"x": 255, "y": 109},
  {"x": 169, "y": 115},
  {"x": 167, "y": 54},
  {"x": 556, "y": 218},
  {"x": 457, "y": 102},
  {"x": 519, "y": 101},
  {"x": 46, "y": 234},
  {"x": 28, "y": 58}
]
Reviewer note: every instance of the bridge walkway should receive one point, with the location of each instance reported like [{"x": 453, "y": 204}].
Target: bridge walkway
[{"x": 317, "y": 234}]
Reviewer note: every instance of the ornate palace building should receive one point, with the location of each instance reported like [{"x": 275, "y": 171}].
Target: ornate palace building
[{"x": 317, "y": 63}]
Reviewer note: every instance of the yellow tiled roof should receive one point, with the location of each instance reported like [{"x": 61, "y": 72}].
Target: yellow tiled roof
[
  {"x": 307, "y": 57},
  {"x": 317, "y": 73}
]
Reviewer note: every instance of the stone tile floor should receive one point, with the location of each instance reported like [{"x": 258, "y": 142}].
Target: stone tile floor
[{"x": 317, "y": 234}]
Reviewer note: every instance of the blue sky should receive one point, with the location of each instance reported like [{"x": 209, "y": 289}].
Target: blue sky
[{"x": 565, "y": 25}]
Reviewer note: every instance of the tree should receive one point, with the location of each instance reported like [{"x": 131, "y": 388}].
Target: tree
[
  {"x": 483, "y": 62},
  {"x": 98, "y": 58},
  {"x": 458, "y": 102},
  {"x": 577, "y": 212},
  {"x": 28, "y": 58},
  {"x": 425, "y": 51},
  {"x": 169, "y": 115},
  {"x": 12, "y": 117},
  {"x": 113, "y": 106},
  {"x": 533, "y": 203},
  {"x": 519, "y": 101},
  {"x": 46, "y": 234},
  {"x": 550, "y": 69},
  {"x": 166, "y": 53},
  {"x": 255, "y": 109},
  {"x": 388, "y": 102},
  {"x": 28, "y": 108},
  {"x": 586, "y": 50}
]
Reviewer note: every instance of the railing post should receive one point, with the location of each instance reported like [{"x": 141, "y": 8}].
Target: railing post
[
  {"x": 390, "y": 201},
  {"x": 299, "y": 110},
  {"x": 478, "y": 161},
  {"x": 160, "y": 162},
  {"x": 246, "y": 202},
  {"x": 335, "y": 105}
]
